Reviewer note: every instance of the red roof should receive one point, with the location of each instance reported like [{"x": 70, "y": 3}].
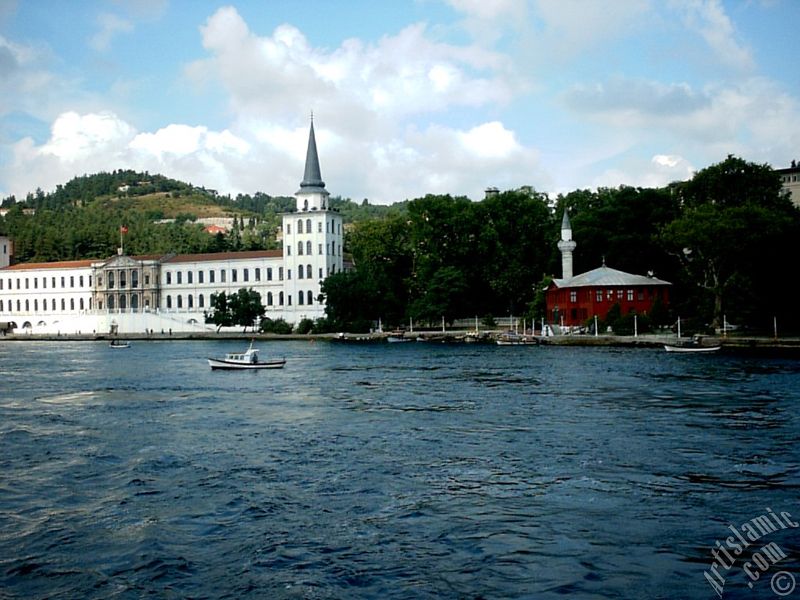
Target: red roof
[
  {"x": 180, "y": 258},
  {"x": 67, "y": 264}
]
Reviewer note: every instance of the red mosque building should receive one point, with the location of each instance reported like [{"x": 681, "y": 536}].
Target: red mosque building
[{"x": 572, "y": 300}]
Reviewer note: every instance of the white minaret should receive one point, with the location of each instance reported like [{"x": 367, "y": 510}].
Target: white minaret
[
  {"x": 312, "y": 239},
  {"x": 566, "y": 245}
]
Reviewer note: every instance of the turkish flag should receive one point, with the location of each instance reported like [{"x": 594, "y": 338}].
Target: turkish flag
[{"x": 123, "y": 229}]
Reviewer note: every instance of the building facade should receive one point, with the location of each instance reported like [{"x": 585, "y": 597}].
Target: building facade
[
  {"x": 136, "y": 294},
  {"x": 573, "y": 300},
  {"x": 790, "y": 178}
]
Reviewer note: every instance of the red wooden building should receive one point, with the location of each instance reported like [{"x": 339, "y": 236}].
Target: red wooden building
[{"x": 571, "y": 301}]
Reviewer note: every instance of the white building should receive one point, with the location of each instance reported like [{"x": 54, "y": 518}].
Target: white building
[{"x": 135, "y": 294}]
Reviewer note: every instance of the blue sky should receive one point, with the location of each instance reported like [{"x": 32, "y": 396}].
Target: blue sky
[{"x": 409, "y": 97}]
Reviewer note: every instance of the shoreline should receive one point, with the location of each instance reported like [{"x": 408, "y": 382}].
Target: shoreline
[{"x": 487, "y": 337}]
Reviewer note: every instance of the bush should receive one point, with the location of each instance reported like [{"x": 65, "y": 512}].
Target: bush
[
  {"x": 279, "y": 326},
  {"x": 305, "y": 326}
]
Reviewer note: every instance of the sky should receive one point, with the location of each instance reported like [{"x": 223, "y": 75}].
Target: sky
[{"x": 409, "y": 97}]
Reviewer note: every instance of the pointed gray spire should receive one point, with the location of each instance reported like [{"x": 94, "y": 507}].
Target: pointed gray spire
[
  {"x": 312, "y": 178},
  {"x": 565, "y": 221}
]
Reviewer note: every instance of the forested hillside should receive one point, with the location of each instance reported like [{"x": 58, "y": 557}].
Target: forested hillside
[{"x": 81, "y": 219}]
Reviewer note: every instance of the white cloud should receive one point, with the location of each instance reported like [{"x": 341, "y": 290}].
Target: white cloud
[
  {"x": 110, "y": 25},
  {"x": 709, "y": 19}
]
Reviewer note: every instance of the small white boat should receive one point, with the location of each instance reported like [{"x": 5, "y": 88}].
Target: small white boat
[
  {"x": 119, "y": 344},
  {"x": 515, "y": 339},
  {"x": 693, "y": 344},
  {"x": 396, "y": 339},
  {"x": 247, "y": 360},
  {"x": 690, "y": 347}
]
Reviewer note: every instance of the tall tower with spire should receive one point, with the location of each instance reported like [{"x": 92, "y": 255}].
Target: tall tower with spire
[
  {"x": 566, "y": 245},
  {"x": 312, "y": 241}
]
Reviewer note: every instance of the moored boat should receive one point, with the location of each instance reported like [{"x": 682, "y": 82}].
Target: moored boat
[{"x": 119, "y": 344}]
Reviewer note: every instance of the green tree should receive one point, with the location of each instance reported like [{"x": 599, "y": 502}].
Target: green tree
[
  {"x": 733, "y": 237},
  {"x": 220, "y": 314}
]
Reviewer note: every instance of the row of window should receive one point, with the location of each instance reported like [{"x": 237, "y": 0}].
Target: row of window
[
  {"x": 36, "y": 282},
  {"x": 303, "y": 272},
  {"x": 329, "y": 227},
  {"x": 303, "y": 297},
  {"x": 120, "y": 279},
  {"x": 610, "y": 295},
  {"x": 81, "y": 305},
  {"x": 330, "y": 249}
]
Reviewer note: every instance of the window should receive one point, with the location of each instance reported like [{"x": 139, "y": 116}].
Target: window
[
  {"x": 599, "y": 296},
  {"x": 211, "y": 276},
  {"x": 80, "y": 281},
  {"x": 27, "y": 306},
  {"x": 169, "y": 301},
  {"x": 280, "y": 299},
  {"x": 300, "y": 297},
  {"x": 269, "y": 298},
  {"x": 111, "y": 280},
  {"x": 36, "y": 283},
  {"x": 110, "y": 302},
  {"x": 35, "y": 305},
  {"x": 308, "y": 225},
  {"x": 288, "y": 273},
  {"x": 53, "y": 304},
  {"x": 169, "y": 278},
  {"x": 72, "y": 303},
  {"x": 222, "y": 275},
  {"x": 630, "y": 295},
  {"x": 189, "y": 277},
  {"x": 319, "y": 227},
  {"x": 190, "y": 301},
  {"x": 234, "y": 275},
  {"x": 269, "y": 273},
  {"x": 200, "y": 277},
  {"x": 52, "y": 281},
  {"x": 180, "y": 277},
  {"x": 300, "y": 224},
  {"x": 180, "y": 301},
  {"x": 134, "y": 302},
  {"x": 299, "y": 248},
  {"x": 288, "y": 228},
  {"x": 300, "y": 272},
  {"x": 308, "y": 271},
  {"x": 201, "y": 302},
  {"x": 258, "y": 273},
  {"x": 280, "y": 275},
  {"x": 26, "y": 283},
  {"x": 147, "y": 278},
  {"x": 134, "y": 279},
  {"x": 80, "y": 305},
  {"x": 289, "y": 300},
  {"x": 288, "y": 250},
  {"x": 320, "y": 273},
  {"x": 245, "y": 274},
  {"x": 309, "y": 297},
  {"x": 573, "y": 296},
  {"x": 619, "y": 294},
  {"x": 122, "y": 282},
  {"x": 640, "y": 295},
  {"x": 308, "y": 248}
]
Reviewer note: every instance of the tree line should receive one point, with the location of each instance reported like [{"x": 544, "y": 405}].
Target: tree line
[{"x": 723, "y": 238}]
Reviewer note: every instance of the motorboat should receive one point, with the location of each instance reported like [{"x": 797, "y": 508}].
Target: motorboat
[
  {"x": 247, "y": 360},
  {"x": 119, "y": 344}
]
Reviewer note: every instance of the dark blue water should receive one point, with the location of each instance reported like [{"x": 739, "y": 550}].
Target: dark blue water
[{"x": 394, "y": 471}]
